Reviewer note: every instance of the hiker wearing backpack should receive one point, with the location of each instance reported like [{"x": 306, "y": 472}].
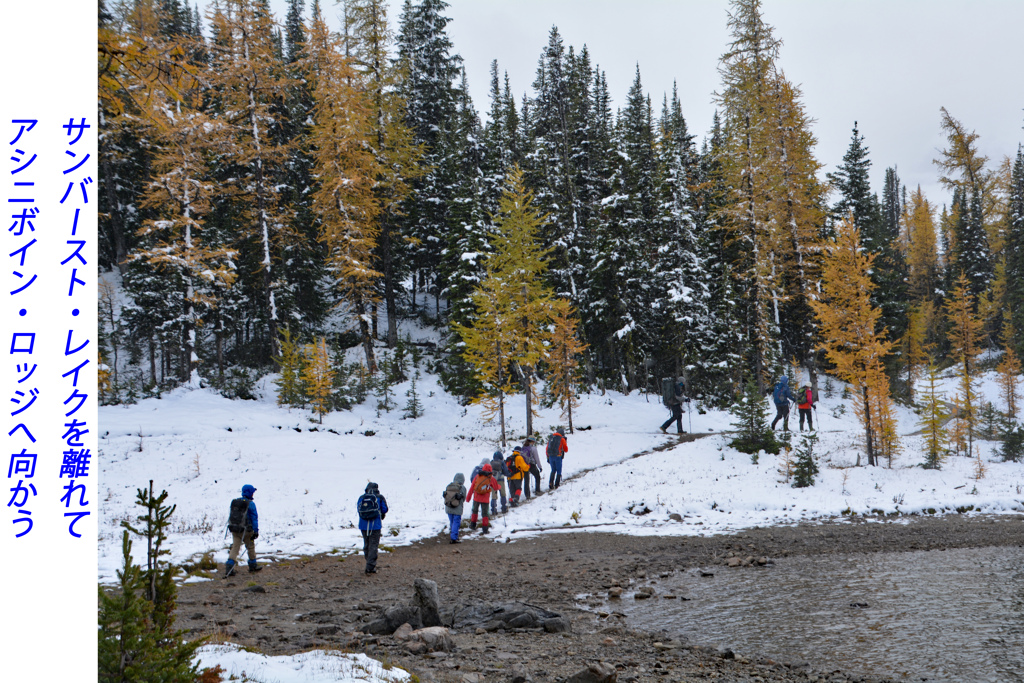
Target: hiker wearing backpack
[
  {"x": 529, "y": 451},
  {"x": 556, "y": 450},
  {"x": 454, "y": 497},
  {"x": 781, "y": 395},
  {"x": 480, "y": 493},
  {"x": 500, "y": 472},
  {"x": 675, "y": 404},
  {"x": 805, "y": 402},
  {"x": 243, "y": 523},
  {"x": 372, "y": 508},
  {"x": 518, "y": 468}
]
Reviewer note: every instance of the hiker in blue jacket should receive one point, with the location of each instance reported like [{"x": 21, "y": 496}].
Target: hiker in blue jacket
[
  {"x": 781, "y": 395},
  {"x": 246, "y": 534},
  {"x": 372, "y": 508}
]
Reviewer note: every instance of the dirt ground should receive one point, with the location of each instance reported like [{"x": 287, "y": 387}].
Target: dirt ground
[{"x": 323, "y": 601}]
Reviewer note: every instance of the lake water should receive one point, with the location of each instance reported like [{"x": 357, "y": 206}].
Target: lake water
[{"x": 955, "y": 615}]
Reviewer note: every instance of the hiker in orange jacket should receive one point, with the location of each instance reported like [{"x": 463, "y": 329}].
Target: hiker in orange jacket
[{"x": 480, "y": 493}]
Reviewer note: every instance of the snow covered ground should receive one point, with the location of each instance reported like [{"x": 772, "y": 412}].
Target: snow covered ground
[
  {"x": 202, "y": 448},
  {"x": 315, "y": 666}
]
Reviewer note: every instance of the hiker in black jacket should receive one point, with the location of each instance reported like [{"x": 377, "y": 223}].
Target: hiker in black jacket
[{"x": 676, "y": 405}]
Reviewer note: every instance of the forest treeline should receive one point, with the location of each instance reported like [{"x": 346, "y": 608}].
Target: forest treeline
[{"x": 263, "y": 178}]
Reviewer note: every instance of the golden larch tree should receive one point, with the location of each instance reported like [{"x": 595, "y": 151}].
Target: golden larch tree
[
  {"x": 318, "y": 376},
  {"x": 964, "y": 336},
  {"x": 345, "y": 168},
  {"x": 1009, "y": 370},
  {"x": 851, "y": 337},
  {"x": 563, "y": 358},
  {"x": 933, "y": 421},
  {"x": 512, "y": 292}
]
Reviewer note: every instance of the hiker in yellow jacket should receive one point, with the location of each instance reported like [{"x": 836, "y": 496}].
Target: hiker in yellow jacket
[{"x": 518, "y": 466}]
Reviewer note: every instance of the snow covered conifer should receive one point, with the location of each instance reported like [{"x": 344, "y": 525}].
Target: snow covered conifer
[
  {"x": 933, "y": 419},
  {"x": 753, "y": 434}
]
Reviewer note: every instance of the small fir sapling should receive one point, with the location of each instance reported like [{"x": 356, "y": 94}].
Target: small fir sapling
[
  {"x": 806, "y": 468},
  {"x": 753, "y": 434},
  {"x": 413, "y": 408}
]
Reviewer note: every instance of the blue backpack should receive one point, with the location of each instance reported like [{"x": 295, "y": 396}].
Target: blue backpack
[{"x": 368, "y": 506}]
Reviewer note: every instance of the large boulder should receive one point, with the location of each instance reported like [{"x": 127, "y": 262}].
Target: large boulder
[
  {"x": 392, "y": 618},
  {"x": 427, "y": 601}
]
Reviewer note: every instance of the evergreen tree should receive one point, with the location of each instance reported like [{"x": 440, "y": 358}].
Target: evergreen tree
[
  {"x": 855, "y": 199},
  {"x": 805, "y": 468},
  {"x": 1009, "y": 370},
  {"x": 752, "y": 432},
  {"x": 430, "y": 72},
  {"x": 414, "y": 407},
  {"x": 1014, "y": 253},
  {"x": 290, "y": 389}
]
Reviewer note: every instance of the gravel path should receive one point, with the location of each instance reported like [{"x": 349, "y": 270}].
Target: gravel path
[{"x": 323, "y": 601}]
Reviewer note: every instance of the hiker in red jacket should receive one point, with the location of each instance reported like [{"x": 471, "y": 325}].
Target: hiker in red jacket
[
  {"x": 480, "y": 493},
  {"x": 805, "y": 400}
]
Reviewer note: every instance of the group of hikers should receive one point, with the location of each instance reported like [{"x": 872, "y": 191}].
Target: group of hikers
[
  {"x": 502, "y": 479},
  {"x": 496, "y": 480},
  {"x": 674, "y": 396}
]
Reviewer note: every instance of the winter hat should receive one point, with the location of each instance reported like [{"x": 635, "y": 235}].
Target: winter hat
[
  {"x": 529, "y": 439},
  {"x": 248, "y": 490},
  {"x": 460, "y": 478},
  {"x": 498, "y": 454},
  {"x": 485, "y": 461},
  {"x": 371, "y": 487}
]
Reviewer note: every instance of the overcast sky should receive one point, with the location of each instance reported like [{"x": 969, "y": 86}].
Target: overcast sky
[{"x": 888, "y": 64}]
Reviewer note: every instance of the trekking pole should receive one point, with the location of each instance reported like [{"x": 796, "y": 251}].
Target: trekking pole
[{"x": 689, "y": 417}]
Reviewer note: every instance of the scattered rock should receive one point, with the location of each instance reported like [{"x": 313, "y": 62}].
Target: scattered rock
[
  {"x": 615, "y": 592},
  {"x": 643, "y": 592},
  {"x": 524, "y": 620},
  {"x": 435, "y": 638},
  {"x": 734, "y": 562},
  {"x": 427, "y": 601},
  {"x": 255, "y": 589},
  {"x": 675, "y": 517},
  {"x": 609, "y": 642},
  {"x": 600, "y": 672},
  {"x": 403, "y": 632},
  {"x": 557, "y": 625},
  {"x": 225, "y": 622},
  {"x": 762, "y": 561},
  {"x": 326, "y": 629}
]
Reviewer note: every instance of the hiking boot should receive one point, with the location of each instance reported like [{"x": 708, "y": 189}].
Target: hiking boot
[
  {"x": 229, "y": 567},
  {"x": 663, "y": 430},
  {"x": 453, "y": 541},
  {"x": 371, "y": 571},
  {"x": 472, "y": 525},
  {"x": 486, "y": 530},
  {"x": 253, "y": 567},
  {"x": 504, "y": 510}
]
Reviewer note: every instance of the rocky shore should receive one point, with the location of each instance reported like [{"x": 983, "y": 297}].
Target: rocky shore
[{"x": 513, "y": 612}]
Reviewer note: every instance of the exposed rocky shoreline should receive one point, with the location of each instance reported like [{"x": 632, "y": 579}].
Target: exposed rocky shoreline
[{"x": 514, "y": 610}]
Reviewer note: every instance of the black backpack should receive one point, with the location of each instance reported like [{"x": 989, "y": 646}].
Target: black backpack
[
  {"x": 510, "y": 463},
  {"x": 668, "y": 392},
  {"x": 554, "y": 443},
  {"x": 452, "y": 495},
  {"x": 238, "y": 520},
  {"x": 369, "y": 507}
]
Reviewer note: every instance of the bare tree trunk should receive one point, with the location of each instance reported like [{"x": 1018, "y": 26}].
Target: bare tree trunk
[{"x": 867, "y": 427}]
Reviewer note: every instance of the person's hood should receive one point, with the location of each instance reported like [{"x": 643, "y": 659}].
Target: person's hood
[
  {"x": 784, "y": 380},
  {"x": 371, "y": 488},
  {"x": 460, "y": 479},
  {"x": 248, "y": 490},
  {"x": 485, "y": 461}
]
